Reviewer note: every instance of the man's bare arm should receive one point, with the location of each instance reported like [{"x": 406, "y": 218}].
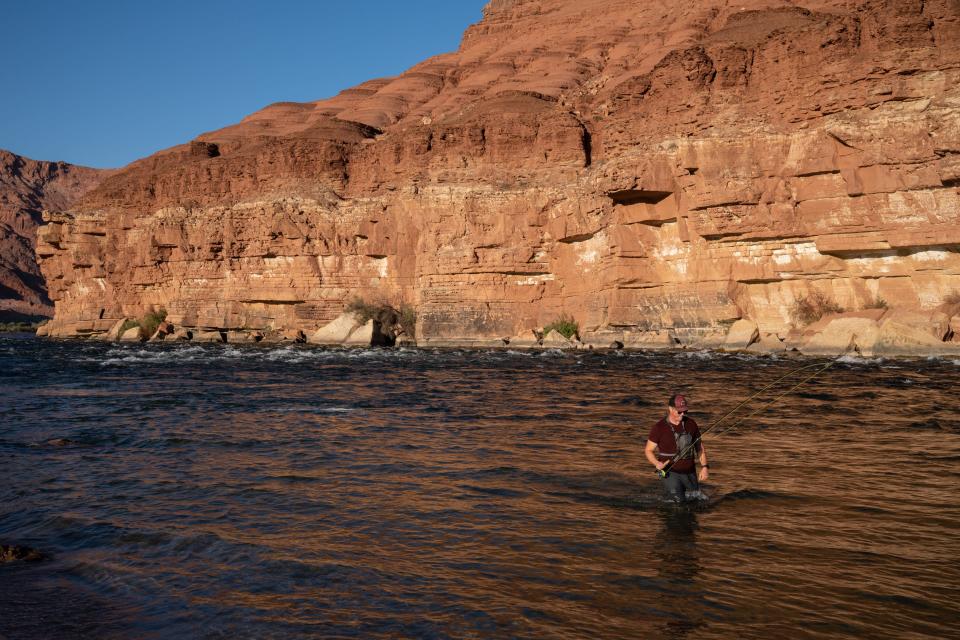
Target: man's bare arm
[{"x": 650, "y": 453}]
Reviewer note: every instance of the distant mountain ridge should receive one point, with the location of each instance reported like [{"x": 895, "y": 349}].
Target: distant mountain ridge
[{"x": 27, "y": 187}]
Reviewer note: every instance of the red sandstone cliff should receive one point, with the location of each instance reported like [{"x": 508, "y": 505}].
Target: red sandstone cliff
[
  {"x": 656, "y": 170},
  {"x": 27, "y": 187}
]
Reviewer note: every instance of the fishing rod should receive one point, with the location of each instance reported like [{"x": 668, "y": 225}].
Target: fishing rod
[
  {"x": 771, "y": 402},
  {"x": 662, "y": 473}
]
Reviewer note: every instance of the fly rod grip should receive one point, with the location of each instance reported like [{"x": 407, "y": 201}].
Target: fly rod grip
[{"x": 662, "y": 473}]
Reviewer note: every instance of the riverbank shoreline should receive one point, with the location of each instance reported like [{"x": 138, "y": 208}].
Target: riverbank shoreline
[
  {"x": 20, "y": 327},
  {"x": 539, "y": 349},
  {"x": 881, "y": 331}
]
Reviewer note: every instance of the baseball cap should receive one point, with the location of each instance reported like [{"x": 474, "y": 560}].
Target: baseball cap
[{"x": 679, "y": 403}]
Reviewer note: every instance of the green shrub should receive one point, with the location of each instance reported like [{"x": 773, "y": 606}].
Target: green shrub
[
  {"x": 877, "y": 303},
  {"x": 151, "y": 320},
  {"x": 810, "y": 308},
  {"x": 148, "y": 323},
  {"x": 564, "y": 325}
]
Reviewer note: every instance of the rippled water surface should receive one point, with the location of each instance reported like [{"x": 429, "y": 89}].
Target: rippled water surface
[{"x": 218, "y": 491}]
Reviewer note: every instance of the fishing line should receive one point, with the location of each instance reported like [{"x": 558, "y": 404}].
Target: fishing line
[{"x": 662, "y": 473}]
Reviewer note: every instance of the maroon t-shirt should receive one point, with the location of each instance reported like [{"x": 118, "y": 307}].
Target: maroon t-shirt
[{"x": 662, "y": 435}]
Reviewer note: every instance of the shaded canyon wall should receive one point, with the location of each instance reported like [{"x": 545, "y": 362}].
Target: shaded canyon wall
[{"x": 27, "y": 187}]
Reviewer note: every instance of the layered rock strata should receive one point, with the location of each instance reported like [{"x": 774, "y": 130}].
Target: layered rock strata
[
  {"x": 656, "y": 171},
  {"x": 27, "y": 187}
]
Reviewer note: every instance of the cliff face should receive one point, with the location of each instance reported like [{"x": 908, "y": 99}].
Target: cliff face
[
  {"x": 649, "y": 168},
  {"x": 27, "y": 187}
]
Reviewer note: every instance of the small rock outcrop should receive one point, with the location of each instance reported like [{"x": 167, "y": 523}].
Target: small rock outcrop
[
  {"x": 336, "y": 332},
  {"x": 649, "y": 340},
  {"x": 879, "y": 332},
  {"x": 554, "y": 340},
  {"x": 768, "y": 343},
  {"x": 164, "y": 329},
  {"x": 742, "y": 334},
  {"x": 362, "y": 336},
  {"x": 14, "y": 553},
  {"x": 209, "y": 336},
  {"x": 133, "y": 334},
  {"x": 113, "y": 334},
  {"x": 350, "y": 330},
  {"x": 525, "y": 340}
]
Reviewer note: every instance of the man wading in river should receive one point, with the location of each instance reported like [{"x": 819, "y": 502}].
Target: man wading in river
[{"x": 672, "y": 434}]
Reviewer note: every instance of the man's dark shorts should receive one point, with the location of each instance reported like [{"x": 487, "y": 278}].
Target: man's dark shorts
[{"x": 681, "y": 486}]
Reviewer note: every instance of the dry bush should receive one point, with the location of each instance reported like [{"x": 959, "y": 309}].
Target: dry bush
[
  {"x": 810, "y": 308},
  {"x": 385, "y": 314},
  {"x": 877, "y": 303}
]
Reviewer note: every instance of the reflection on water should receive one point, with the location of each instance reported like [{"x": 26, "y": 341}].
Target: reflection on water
[
  {"x": 208, "y": 491},
  {"x": 679, "y": 567}
]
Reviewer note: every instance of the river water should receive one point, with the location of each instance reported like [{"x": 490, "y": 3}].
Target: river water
[{"x": 217, "y": 491}]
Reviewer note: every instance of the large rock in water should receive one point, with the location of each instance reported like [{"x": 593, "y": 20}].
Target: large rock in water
[
  {"x": 555, "y": 340},
  {"x": 347, "y": 330},
  {"x": 114, "y": 333},
  {"x": 769, "y": 343},
  {"x": 337, "y": 332},
  {"x": 898, "y": 339},
  {"x": 651, "y": 168},
  {"x": 648, "y": 340},
  {"x": 209, "y": 336},
  {"x": 132, "y": 334},
  {"x": 955, "y": 328},
  {"x": 844, "y": 335},
  {"x": 362, "y": 336},
  {"x": 877, "y": 335},
  {"x": 742, "y": 334}
]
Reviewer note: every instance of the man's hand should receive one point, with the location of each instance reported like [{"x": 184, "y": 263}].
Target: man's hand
[
  {"x": 659, "y": 465},
  {"x": 704, "y": 474}
]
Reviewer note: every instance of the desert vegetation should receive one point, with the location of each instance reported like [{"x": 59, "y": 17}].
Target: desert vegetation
[
  {"x": 564, "y": 325},
  {"x": 385, "y": 314},
  {"x": 876, "y": 303},
  {"x": 151, "y": 320},
  {"x": 148, "y": 323},
  {"x": 810, "y": 308},
  {"x": 11, "y": 327}
]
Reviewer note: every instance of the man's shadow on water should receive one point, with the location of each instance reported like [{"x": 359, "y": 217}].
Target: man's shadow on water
[
  {"x": 680, "y": 598},
  {"x": 677, "y": 601}
]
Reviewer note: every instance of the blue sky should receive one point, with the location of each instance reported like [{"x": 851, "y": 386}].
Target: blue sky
[{"x": 103, "y": 82}]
